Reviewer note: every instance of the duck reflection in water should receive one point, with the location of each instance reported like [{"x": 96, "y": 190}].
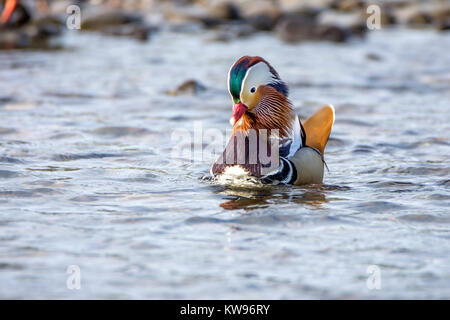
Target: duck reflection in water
[{"x": 265, "y": 196}]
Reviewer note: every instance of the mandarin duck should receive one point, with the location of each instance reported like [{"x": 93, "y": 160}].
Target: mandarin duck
[{"x": 268, "y": 140}]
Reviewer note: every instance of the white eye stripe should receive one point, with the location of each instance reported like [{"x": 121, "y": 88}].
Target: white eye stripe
[{"x": 258, "y": 74}]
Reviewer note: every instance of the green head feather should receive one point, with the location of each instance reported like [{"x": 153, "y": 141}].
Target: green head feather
[{"x": 237, "y": 74}]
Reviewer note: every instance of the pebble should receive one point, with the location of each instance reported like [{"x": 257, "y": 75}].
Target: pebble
[{"x": 188, "y": 87}]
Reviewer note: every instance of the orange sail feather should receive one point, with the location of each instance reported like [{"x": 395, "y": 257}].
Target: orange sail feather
[{"x": 318, "y": 128}]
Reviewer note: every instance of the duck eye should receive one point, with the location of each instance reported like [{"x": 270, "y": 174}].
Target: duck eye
[{"x": 252, "y": 90}]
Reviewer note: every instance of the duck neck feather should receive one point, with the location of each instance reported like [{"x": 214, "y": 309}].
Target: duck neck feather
[{"x": 274, "y": 111}]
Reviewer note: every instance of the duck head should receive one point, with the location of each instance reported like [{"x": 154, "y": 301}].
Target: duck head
[{"x": 259, "y": 96}]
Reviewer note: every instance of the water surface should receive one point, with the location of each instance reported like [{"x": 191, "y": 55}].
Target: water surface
[{"x": 88, "y": 176}]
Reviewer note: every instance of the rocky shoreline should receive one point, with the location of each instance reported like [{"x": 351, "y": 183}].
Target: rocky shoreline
[{"x": 35, "y": 22}]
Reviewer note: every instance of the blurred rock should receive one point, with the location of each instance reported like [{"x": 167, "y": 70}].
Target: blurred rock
[
  {"x": 187, "y": 27},
  {"x": 303, "y": 27},
  {"x": 25, "y": 31},
  {"x": 224, "y": 10},
  {"x": 412, "y": 14},
  {"x": 373, "y": 57},
  {"x": 220, "y": 36},
  {"x": 60, "y": 7},
  {"x": 137, "y": 31},
  {"x": 241, "y": 30},
  {"x": 48, "y": 25},
  {"x": 183, "y": 14},
  {"x": 21, "y": 15},
  {"x": 230, "y": 32},
  {"x": 347, "y": 20},
  {"x": 100, "y": 20},
  {"x": 304, "y": 6},
  {"x": 116, "y": 23},
  {"x": 440, "y": 12},
  {"x": 436, "y": 12},
  {"x": 332, "y": 33},
  {"x": 188, "y": 87},
  {"x": 293, "y": 20},
  {"x": 210, "y": 16},
  {"x": 387, "y": 15},
  {"x": 297, "y": 29},
  {"x": 349, "y": 5},
  {"x": 444, "y": 25},
  {"x": 262, "y": 22}
]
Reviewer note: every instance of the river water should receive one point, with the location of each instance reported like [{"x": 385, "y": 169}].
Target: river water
[{"x": 89, "y": 174}]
